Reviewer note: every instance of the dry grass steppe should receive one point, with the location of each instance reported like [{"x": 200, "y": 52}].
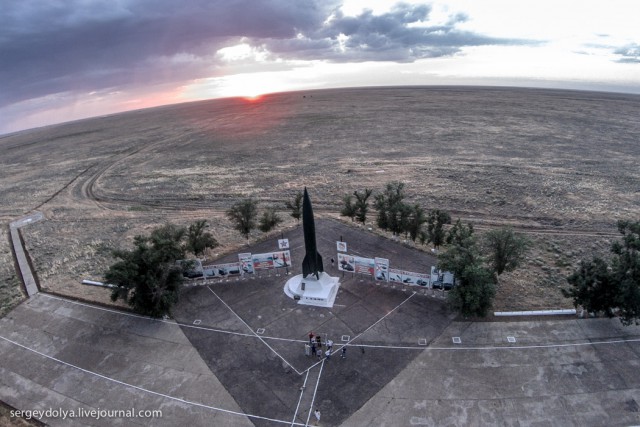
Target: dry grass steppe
[{"x": 561, "y": 166}]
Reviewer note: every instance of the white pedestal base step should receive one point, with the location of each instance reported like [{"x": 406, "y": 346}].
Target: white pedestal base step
[{"x": 320, "y": 292}]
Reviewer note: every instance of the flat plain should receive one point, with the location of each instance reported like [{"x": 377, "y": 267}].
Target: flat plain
[{"x": 560, "y": 166}]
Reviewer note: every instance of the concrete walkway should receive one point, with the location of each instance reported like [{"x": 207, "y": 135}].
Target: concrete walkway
[
  {"x": 56, "y": 353},
  {"x": 59, "y": 354},
  {"x": 25, "y": 270},
  {"x": 556, "y": 373},
  {"x": 235, "y": 357}
]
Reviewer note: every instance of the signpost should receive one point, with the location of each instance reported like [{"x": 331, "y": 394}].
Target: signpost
[{"x": 283, "y": 244}]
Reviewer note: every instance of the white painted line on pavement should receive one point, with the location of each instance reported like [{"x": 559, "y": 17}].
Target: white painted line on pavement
[
  {"x": 502, "y": 347},
  {"x": 257, "y": 336},
  {"x": 170, "y": 322},
  {"x": 177, "y": 399},
  {"x": 381, "y": 319},
  {"x": 304, "y": 385},
  {"x": 313, "y": 399},
  {"x": 363, "y": 332},
  {"x": 393, "y": 347}
]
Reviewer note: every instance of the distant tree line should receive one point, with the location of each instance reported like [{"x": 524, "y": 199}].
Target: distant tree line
[
  {"x": 476, "y": 263},
  {"x": 397, "y": 216},
  {"x": 244, "y": 217},
  {"x": 148, "y": 278}
]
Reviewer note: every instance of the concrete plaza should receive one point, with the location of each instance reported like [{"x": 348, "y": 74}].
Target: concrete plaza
[{"x": 234, "y": 355}]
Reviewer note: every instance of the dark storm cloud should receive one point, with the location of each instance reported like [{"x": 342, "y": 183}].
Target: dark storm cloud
[
  {"x": 78, "y": 45},
  {"x": 48, "y": 47},
  {"x": 400, "y": 35}
]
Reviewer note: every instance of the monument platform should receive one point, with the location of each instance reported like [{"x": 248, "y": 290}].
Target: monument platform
[{"x": 320, "y": 292}]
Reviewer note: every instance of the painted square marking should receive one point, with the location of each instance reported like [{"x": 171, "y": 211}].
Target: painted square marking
[
  {"x": 197, "y": 322},
  {"x": 422, "y": 341},
  {"x": 260, "y": 331},
  {"x": 345, "y": 338},
  {"x": 456, "y": 340},
  {"x": 511, "y": 339}
]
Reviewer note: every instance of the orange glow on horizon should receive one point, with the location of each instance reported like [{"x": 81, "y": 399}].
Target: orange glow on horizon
[{"x": 253, "y": 98}]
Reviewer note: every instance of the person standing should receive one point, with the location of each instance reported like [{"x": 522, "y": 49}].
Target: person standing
[
  {"x": 313, "y": 349},
  {"x": 328, "y": 354},
  {"x": 344, "y": 352},
  {"x": 310, "y": 337},
  {"x": 317, "y": 415},
  {"x": 330, "y": 345}
]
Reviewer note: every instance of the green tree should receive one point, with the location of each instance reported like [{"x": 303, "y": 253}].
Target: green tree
[
  {"x": 423, "y": 237},
  {"x": 349, "y": 208},
  {"x": 474, "y": 291},
  {"x": 625, "y": 266},
  {"x": 198, "y": 240},
  {"x": 269, "y": 220},
  {"x": 362, "y": 205},
  {"x": 415, "y": 221},
  {"x": 475, "y": 284},
  {"x": 462, "y": 251},
  {"x": 506, "y": 249},
  {"x": 295, "y": 206},
  {"x": 435, "y": 227},
  {"x": 393, "y": 213},
  {"x": 243, "y": 215},
  {"x": 612, "y": 287},
  {"x": 593, "y": 287},
  {"x": 147, "y": 277}
]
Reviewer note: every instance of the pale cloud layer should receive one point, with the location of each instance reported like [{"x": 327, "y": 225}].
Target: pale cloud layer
[{"x": 77, "y": 58}]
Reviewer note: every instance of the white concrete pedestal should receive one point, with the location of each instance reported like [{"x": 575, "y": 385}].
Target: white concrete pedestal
[{"x": 320, "y": 292}]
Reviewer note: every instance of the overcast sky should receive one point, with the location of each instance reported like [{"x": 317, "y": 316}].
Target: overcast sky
[{"x": 62, "y": 60}]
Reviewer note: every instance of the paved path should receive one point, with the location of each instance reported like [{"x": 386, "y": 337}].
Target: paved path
[
  {"x": 235, "y": 357},
  {"x": 58, "y": 354},
  {"x": 25, "y": 270},
  {"x": 557, "y": 373}
]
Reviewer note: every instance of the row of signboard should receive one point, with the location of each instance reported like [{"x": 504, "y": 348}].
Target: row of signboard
[
  {"x": 379, "y": 268},
  {"x": 247, "y": 263}
]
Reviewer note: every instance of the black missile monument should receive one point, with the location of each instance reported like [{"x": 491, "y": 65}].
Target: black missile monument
[
  {"x": 314, "y": 286},
  {"x": 312, "y": 262}
]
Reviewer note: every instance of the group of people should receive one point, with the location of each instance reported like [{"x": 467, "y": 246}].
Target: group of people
[{"x": 316, "y": 347}]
